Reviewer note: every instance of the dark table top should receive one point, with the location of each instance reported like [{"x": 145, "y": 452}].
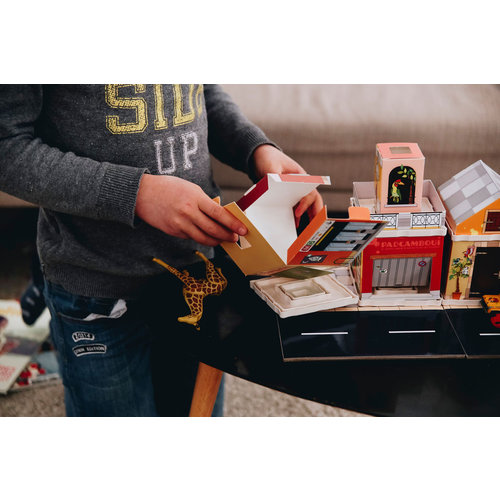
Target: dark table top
[{"x": 450, "y": 372}]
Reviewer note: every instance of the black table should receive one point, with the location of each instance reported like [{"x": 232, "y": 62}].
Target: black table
[{"x": 240, "y": 335}]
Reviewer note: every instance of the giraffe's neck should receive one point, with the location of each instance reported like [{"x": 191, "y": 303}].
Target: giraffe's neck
[{"x": 185, "y": 279}]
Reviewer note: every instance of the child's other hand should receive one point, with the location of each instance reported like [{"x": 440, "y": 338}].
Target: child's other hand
[
  {"x": 269, "y": 160},
  {"x": 180, "y": 208}
]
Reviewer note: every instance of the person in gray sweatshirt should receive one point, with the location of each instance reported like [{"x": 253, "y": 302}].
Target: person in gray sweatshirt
[{"x": 122, "y": 174}]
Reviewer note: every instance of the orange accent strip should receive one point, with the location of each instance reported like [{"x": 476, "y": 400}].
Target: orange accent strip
[
  {"x": 313, "y": 179},
  {"x": 361, "y": 213},
  {"x": 306, "y": 235}
]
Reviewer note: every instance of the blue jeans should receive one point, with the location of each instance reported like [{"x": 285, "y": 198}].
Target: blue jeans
[{"x": 118, "y": 359}]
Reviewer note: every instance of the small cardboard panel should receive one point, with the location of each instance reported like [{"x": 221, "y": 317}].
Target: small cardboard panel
[{"x": 252, "y": 254}]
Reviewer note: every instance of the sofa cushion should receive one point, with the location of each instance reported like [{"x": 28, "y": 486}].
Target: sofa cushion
[{"x": 333, "y": 129}]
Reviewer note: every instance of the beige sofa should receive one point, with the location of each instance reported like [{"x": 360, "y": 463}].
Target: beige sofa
[{"x": 332, "y": 129}]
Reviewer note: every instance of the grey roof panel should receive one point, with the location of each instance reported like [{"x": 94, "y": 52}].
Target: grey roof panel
[
  {"x": 470, "y": 191},
  {"x": 469, "y": 175},
  {"x": 479, "y": 197}
]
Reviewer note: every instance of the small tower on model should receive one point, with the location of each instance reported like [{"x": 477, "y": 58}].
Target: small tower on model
[{"x": 399, "y": 176}]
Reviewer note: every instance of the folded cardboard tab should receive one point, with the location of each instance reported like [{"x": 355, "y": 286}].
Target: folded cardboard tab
[{"x": 272, "y": 244}]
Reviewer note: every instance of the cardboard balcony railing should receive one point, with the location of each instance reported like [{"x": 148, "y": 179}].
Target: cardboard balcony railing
[{"x": 272, "y": 244}]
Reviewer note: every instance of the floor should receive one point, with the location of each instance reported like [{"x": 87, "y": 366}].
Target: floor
[{"x": 243, "y": 398}]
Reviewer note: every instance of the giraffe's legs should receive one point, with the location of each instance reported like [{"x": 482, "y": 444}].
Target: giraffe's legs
[
  {"x": 214, "y": 274},
  {"x": 195, "y": 303}
]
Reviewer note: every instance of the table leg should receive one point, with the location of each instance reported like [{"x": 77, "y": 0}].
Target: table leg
[{"x": 205, "y": 391}]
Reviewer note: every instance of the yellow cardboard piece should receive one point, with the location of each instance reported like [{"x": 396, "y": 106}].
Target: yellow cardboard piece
[{"x": 254, "y": 254}]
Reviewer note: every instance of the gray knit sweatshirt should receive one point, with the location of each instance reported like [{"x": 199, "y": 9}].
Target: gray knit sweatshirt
[{"x": 79, "y": 151}]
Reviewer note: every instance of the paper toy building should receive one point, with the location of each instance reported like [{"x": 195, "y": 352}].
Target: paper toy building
[
  {"x": 472, "y": 200},
  {"x": 402, "y": 266},
  {"x": 272, "y": 245},
  {"x": 399, "y": 174}
]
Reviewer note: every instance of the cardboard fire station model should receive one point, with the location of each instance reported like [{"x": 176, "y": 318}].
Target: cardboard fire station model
[
  {"x": 272, "y": 245},
  {"x": 403, "y": 265}
]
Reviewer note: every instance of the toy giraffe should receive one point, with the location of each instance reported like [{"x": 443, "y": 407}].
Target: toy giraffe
[{"x": 195, "y": 290}]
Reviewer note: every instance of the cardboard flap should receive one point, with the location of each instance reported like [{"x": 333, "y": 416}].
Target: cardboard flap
[
  {"x": 359, "y": 213},
  {"x": 253, "y": 254},
  {"x": 284, "y": 190},
  {"x": 307, "y": 234}
]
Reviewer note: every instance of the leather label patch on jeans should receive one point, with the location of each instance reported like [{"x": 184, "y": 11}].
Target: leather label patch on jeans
[
  {"x": 77, "y": 336},
  {"x": 89, "y": 349}
]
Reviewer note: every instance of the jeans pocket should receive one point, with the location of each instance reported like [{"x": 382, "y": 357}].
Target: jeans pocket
[{"x": 83, "y": 310}]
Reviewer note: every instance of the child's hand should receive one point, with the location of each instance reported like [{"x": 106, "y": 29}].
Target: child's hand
[
  {"x": 180, "y": 208},
  {"x": 269, "y": 160}
]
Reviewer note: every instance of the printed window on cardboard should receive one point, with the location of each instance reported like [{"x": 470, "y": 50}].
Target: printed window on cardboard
[
  {"x": 400, "y": 150},
  {"x": 401, "y": 186},
  {"x": 492, "y": 222}
]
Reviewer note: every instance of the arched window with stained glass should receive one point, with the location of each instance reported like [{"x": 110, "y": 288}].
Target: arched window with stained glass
[{"x": 401, "y": 186}]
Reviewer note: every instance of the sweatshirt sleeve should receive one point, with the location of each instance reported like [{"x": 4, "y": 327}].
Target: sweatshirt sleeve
[
  {"x": 53, "y": 179},
  {"x": 232, "y": 138}
]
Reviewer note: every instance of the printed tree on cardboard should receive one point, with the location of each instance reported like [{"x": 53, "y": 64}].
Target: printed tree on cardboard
[
  {"x": 460, "y": 268},
  {"x": 402, "y": 181}
]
